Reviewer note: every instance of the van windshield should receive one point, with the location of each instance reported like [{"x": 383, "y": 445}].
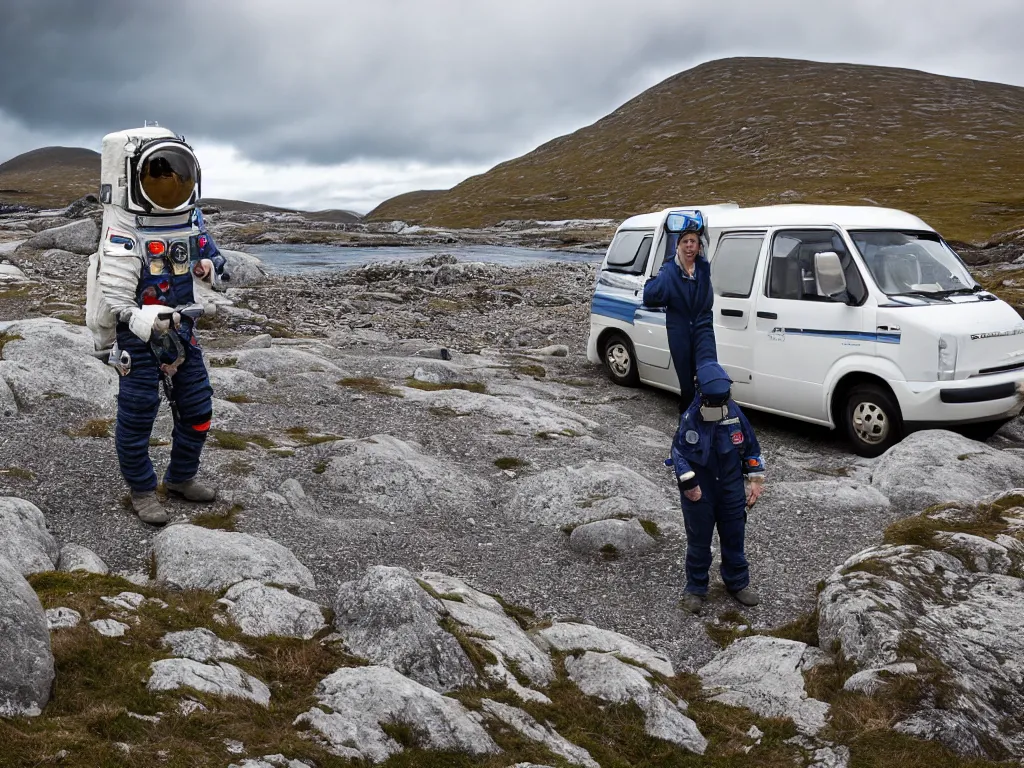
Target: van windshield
[{"x": 913, "y": 263}]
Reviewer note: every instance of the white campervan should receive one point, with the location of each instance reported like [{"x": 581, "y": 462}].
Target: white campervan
[{"x": 854, "y": 317}]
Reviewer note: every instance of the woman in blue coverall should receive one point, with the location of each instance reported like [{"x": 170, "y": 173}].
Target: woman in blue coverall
[{"x": 683, "y": 287}]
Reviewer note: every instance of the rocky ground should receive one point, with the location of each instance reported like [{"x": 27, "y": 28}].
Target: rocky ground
[{"x": 441, "y": 417}]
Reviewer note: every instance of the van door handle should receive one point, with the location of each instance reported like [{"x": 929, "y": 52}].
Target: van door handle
[
  {"x": 768, "y": 315},
  {"x": 732, "y": 313}
]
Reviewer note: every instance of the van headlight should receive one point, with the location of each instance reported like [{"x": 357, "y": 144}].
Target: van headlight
[{"x": 947, "y": 357}]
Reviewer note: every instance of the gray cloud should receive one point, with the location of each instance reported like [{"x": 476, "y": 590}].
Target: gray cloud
[{"x": 439, "y": 81}]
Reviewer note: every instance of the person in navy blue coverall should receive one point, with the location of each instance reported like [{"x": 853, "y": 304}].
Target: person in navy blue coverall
[
  {"x": 683, "y": 287},
  {"x": 718, "y": 465}
]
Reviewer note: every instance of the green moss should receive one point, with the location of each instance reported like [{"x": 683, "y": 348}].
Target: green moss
[
  {"x": 444, "y": 411},
  {"x": 652, "y": 528},
  {"x": 303, "y": 436},
  {"x": 803, "y": 629},
  {"x": 18, "y": 473},
  {"x": 92, "y": 428},
  {"x": 239, "y": 441},
  {"x": 224, "y": 520},
  {"x": 320, "y": 468},
  {"x": 530, "y": 369},
  {"x": 509, "y": 462},
  {"x": 156, "y": 442},
  {"x": 609, "y": 552},
  {"x": 371, "y": 385},
  {"x": 222, "y": 362},
  {"x": 239, "y": 399},
  {"x": 427, "y": 386}
]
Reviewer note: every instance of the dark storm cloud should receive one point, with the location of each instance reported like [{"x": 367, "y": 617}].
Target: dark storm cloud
[{"x": 437, "y": 80}]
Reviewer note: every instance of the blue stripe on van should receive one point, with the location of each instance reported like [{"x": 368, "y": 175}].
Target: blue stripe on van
[
  {"x": 614, "y": 307},
  {"x": 883, "y": 338}
]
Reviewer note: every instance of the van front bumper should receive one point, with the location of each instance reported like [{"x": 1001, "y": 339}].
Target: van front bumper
[{"x": 985, "y": 398}]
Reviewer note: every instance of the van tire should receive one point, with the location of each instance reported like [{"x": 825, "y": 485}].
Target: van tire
[
  {"x": 620, "y": 360},
  {"x": 872, "y": 420}
]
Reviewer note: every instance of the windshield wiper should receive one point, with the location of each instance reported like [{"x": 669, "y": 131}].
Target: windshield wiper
[
  {"x": 920, "y": 294},
  {"x": 955, "y": 291}
]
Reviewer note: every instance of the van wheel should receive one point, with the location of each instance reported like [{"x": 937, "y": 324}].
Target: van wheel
[
  {"x": 620, "y": 360},
  {"x": 872, "y": 420}
]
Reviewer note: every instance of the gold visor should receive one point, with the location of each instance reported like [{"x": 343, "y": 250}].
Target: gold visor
[{"x": 168, "y": 177}]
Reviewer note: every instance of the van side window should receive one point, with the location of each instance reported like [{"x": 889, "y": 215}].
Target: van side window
[
  {"x": 629, "y": 251},
  {"x": 734, "y": 264},
  {"x": 791, "y": 268}
]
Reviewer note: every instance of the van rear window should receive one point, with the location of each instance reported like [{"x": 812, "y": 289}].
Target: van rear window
[{"x": 629, "y": 251}]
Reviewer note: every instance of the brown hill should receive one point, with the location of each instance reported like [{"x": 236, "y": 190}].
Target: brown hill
[
  {"x": 50, "y": 177},
  {"x": 758, "y": 131}
]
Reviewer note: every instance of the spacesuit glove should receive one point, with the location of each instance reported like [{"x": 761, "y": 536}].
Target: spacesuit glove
[
  {"x": 753, "y": 485},
  {"x": 204, "y": 270},
  {"x": 144, "y": 321}
]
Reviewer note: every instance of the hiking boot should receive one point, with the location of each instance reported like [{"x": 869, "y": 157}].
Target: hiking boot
[
  {"x": 148, "y": 507},
  {"x": 191, "y": 490},
  {"x": 747, "y": 596},
  {"x": 692, "y": 603}
]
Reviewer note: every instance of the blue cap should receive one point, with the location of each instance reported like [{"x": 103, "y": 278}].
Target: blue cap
[{"x": 712, "y": 380}]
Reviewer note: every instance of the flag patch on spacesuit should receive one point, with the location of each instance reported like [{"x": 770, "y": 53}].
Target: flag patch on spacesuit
[{"x": 737, "y": 438}]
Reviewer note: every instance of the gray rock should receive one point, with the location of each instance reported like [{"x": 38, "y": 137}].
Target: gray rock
[
  {"x": 831, "y": 757},
  {"x": 109, "y": 627},
  {"x": 271, "y": 761},
  {"x": 837, "y": 496},
  {"x": 54, "y": 358},
  {"x": 263, "y": 341},
  {"x": 202, "y": 645},
  {"x": 24, "y": 540},
  {"x": 764, "y": 674},
  {"x": 394, "y": 478},
  {"x": 894, "y": 605},
  {"x": 934, "y": 466},
  {"x": 81, "y": 237},
  {"x": 10, "y": 273},
  {"x": 568, "y": 637},
  {"x": 190, "y": 557},
  {"x": 243, "y": 269},
  {"x": 523, "y": 414},
  {"x": 555, "y": 350},
  {"x": 603, "y": 676},
  {"x": 870, "y": 681},
  {"x": 567, "y": 495},
  {"x": 232, "y": 382},
  {"x": 387, "y": 618},
  {"x": 260, "y": 611},
  {"x": 126, "y": 601},
  {"x": 526, "y": 726},
  {"x": 361, "y": 698},
  {"x": 282, "y": 361},
  {"x": 8, "y": 402},
  {"x": 62, "y": 618},
  {"x": 221, "y": 679},
  {"x": 491, "y": 627},
  {"x": 619, "y": 537},
  {"x": 26, "y": 661},
  {"x": 74, "y": 557}
]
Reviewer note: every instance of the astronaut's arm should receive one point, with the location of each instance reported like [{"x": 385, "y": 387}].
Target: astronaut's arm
[
  {"x": 685, "y": 475},
  {"x": 118, "y": 277},
  {"x": 753, "y": 461}
]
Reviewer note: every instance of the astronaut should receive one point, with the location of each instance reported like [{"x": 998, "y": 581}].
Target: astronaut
[
  {"x": 141, "y": 306},
  {"x": 718, "y": 465}
]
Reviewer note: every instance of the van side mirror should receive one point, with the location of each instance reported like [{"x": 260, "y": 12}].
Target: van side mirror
[{"x": 829, "y": 276}]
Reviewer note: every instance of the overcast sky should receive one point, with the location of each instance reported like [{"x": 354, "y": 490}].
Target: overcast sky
[{"x": 341, "y": 104}]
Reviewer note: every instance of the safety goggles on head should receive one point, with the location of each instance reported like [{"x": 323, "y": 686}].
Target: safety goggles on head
[{"x": 679, "y": 222}]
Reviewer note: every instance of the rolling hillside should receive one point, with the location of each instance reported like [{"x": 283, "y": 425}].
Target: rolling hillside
[{"x": 757, "y": 131}]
